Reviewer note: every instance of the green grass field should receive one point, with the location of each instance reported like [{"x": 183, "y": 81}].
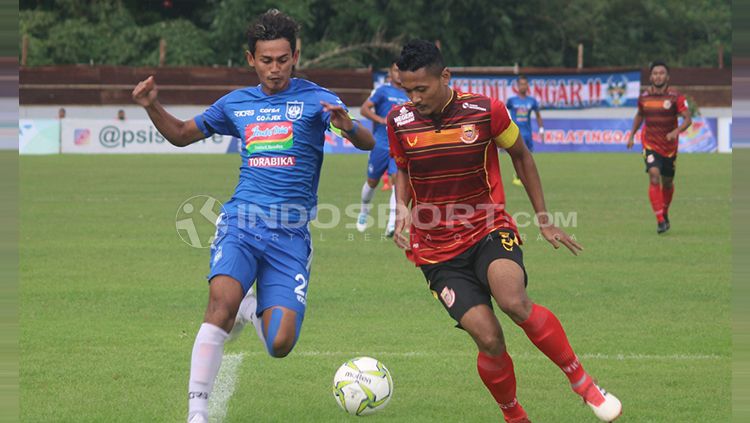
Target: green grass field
[{"x": 111, "y": 299}]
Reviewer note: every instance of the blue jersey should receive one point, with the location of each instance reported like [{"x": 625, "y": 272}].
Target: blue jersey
[
  {"x": 283, "y": 136},
  {"x": 384, "y": 98},
  {"x": 520, "y": 111}
]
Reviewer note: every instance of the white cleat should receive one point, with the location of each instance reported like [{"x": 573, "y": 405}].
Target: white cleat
[
  {"x": 390, "y": 230},
  {"x": 362, "y": 222},
  {"x": 198, "y": 418},
  {"x": 245, "y": 314},
  {"x": 608, "y": 409}
]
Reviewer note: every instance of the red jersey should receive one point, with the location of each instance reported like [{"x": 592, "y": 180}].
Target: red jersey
[
  {"x": 660, "y": 112},
  {"x": 454, "y": 173}
]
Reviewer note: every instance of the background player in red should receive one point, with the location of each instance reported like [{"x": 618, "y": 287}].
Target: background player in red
[
  {"x": 460, "y": 235},
  {"x": 659, "y": 106}
]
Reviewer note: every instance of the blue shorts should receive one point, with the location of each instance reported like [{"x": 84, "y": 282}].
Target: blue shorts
[
  {"x": 278, "y": 258},
  {"x": 528, "y": 140},
  {"x": 380, "y": 160}
]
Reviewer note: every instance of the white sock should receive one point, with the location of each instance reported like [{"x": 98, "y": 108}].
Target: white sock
[
  {"x": 392, "y": 215},
  {"x": 204, "y": 366},
  {"x": 367, "y": 194}
]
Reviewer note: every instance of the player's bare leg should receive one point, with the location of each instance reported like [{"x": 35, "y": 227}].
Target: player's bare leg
[
  {"x": 506, "y": 280},
  {"x": 667, "y": 190},
  {"x": 656, "y": 198},
  {"x": 281, "y": 328},
  {"x": 368, "y": 191},
  {"x": 494, "y": 365},
  {"x": 225, "y": 295}
]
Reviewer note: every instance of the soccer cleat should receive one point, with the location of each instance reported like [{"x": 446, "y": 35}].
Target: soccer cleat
[
  {"x": 666, "y": 220},
  {"x": 605, "y": 405},
  {"x": 362, "y": 222},
  {"x": 246, "y": 313},
  {"x": 198, "y": 418},
  {"x": 662, "y": 227},
  {"x": 390, "y": 230}
]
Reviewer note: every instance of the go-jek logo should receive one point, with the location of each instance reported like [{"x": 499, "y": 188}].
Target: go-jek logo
[{"x": 269, "y": 136}]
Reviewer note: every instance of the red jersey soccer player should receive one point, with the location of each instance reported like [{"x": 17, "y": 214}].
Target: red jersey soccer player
[
  {"x": 660, "y": 106},
  {"x": 444, "y": 143}
]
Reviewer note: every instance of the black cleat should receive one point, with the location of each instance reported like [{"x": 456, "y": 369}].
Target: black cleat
[
  {"x": 662, "y": 227},
  {"x": 666, "y": 219}
]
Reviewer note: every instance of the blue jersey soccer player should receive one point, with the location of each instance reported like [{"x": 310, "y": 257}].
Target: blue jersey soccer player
[
  {"x": 376, "y": 108},
  {"x": 520, "y": 108},
  {"x": 262, "y": 232}
]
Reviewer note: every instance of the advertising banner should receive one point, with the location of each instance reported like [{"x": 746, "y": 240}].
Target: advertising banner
[{"x": 39, "y": 136}]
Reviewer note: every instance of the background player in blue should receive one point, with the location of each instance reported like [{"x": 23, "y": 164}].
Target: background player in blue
[
  {"x": 262, "y": 233},
  {"x": 520, "y": 108},
  {"x": 376, "y": 108}
]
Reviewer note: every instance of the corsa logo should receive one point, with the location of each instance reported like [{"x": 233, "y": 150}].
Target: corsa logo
[{"x": 271, "y": 136}]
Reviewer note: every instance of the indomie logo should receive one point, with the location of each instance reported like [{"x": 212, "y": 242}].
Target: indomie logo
[{"x": 268, "y": 136}]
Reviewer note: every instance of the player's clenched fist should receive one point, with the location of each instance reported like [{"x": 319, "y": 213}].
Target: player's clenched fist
[{"x": 145, "y": 92}]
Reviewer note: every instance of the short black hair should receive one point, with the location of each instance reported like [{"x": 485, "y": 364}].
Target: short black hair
[
  {"x": 522, "y": 76},
  {"x": 272, "y": 25},
  {"x": 656, "y": 63},
  {"x": 418, "y": 54}
]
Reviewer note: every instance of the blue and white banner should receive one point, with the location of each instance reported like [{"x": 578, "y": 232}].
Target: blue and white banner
[
  {"x": 611, "y": 135},
  {"x": 571, "y": 91}
]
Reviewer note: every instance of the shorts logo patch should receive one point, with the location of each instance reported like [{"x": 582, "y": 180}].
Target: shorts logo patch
[
  {"x": 650, "y": 158},
  {"x": 448, "y": 296},
  {"x": 508, "y": 241}
]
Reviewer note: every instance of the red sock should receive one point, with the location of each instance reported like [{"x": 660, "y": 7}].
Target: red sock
[
  {"x": 498, "y": 376},
  {"x": 667, "y": 197},
  {"x": 546, "y": 332},
  {"x": 657, "y": 201}
]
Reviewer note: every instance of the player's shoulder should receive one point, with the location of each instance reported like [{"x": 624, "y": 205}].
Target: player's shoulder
[
  {"x": 401, "y": 114},
  {"x": 305, "y": 86},
  {"x": 673, "y": 92},
  {"x": 474, "y": 101}
]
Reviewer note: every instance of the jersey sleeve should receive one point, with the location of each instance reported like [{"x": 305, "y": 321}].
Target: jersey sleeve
[
  {"x": 396, "y": 149},
  {"x": 376, "y": 96},
  {"x": 504, "y": 130},
  {"x": 682, "y": 104},
  {"x": 640, "y": 104},
  {"x": 215, "y": 121},
  {"x": 534, "y": 105}
]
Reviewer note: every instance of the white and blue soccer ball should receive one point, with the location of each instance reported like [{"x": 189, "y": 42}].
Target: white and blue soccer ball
[{"x": 362, "y": 386}]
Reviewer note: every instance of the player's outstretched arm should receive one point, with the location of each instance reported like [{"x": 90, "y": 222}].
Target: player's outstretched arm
[
  {"x": 523, "y": 162},
  {"x": 403, "y": 213},
  {"x": 178, "y": 132},
  {"x": 358, "y": 135}
]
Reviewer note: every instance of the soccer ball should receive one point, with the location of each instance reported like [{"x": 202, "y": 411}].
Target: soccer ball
[{"x": 362, "y": 386}]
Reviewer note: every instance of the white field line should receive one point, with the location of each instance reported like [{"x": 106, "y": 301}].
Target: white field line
[
  {"x": 525, "y": 356},
  {"x": 224, "y": 387}
]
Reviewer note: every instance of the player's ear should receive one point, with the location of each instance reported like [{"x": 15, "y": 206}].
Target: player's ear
[
  {"x": 445, "y": 76},
  {"x": 295, "y": 57},
  {"x": 250, "y": 58}
]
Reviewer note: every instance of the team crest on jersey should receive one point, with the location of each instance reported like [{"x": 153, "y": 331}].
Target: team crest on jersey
[
  {"x": 667, "y": 104},
  {"x": 294, "y": 109},
  {"x": 469, "y": 133}
]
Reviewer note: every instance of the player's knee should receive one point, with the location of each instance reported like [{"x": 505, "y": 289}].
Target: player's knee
[
  {"x": 282, "y": 334},
  {"x": 518, "y": 308},
  {"x": 490, "y": 343},
  {"x": 281, "y": 346},
  {"x": 220, "y": 314}
]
